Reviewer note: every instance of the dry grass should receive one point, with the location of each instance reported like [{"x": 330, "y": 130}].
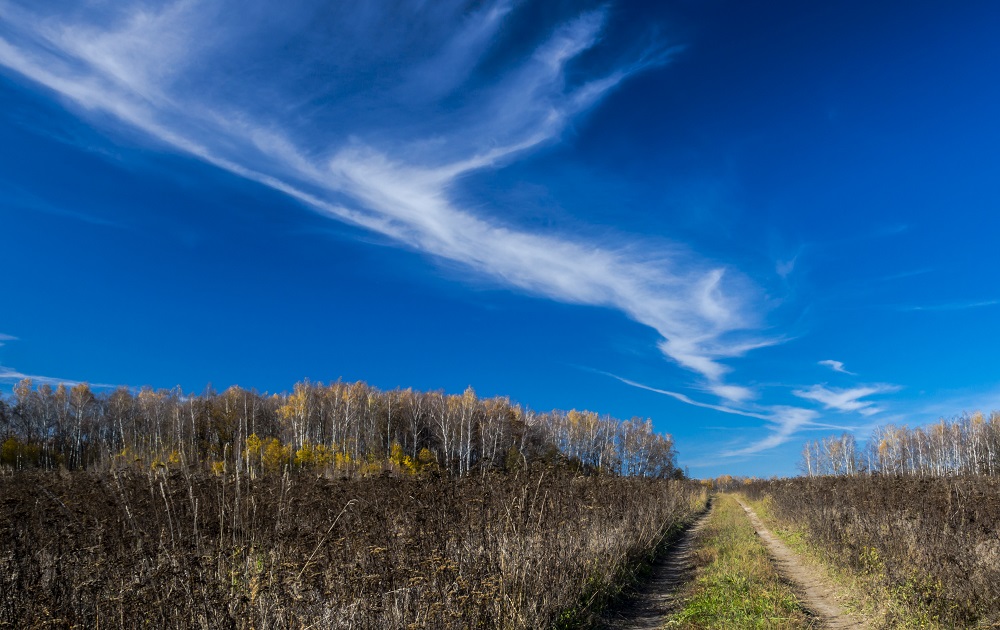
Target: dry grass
[
  {"x": 172, "y": 550},
  {"x": 915, "y": 552}
]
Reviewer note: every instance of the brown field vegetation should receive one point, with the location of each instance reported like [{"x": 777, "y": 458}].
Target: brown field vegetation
[
  {"x": 170, "y": 548},
  {"x": 930, "y": 543}
]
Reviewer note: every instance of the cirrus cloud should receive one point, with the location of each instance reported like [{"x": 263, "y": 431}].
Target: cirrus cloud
[
  {"x": 836, "y": 366},
  {"x": 379, "y": 143},
  {"x": 846, "y": 399}
]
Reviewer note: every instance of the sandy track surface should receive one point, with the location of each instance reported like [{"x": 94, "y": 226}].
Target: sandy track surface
[
  {"x": 814, "y": 592},
  {"x": 659, "y": 595}
]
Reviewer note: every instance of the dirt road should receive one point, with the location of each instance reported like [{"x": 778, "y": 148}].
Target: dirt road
[
  {"x": 658, "y": 596},
  {"x": 814, "y": 593}
]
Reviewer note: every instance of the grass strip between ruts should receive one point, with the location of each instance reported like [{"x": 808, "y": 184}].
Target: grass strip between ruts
[{"x": 736, "y": 585}]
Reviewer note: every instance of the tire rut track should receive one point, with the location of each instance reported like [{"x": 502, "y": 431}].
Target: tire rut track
[
  {"x": 814, "y": 592},
  {"x": 659, "y": 595}
]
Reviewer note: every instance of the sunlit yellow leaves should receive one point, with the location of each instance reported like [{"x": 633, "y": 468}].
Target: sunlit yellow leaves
[
  {"x": 313, "y": 457},
  {"x": 304, "y": 457},
  {"x": 274, "y": 456},
  {"x": 342, "y": 461},
  {"x": 322, "y": 456},
  {"x": 402, "y": 461},
  {"x": 253, "y": 445},
  {"x": 296, "y": 405}
]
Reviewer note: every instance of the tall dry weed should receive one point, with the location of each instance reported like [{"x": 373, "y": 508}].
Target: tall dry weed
[{"x": 169, "y": 549}]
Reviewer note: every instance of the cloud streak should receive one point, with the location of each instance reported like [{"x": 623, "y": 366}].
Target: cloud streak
[
  {"x": 952, "y": 306},
  {"x": 10, "y": 375},
  {"x": 846, "y": 400},
  {"x": 782, "y": 421},
  {"x": 378, "y": 120},
  {"x": 15, "y": 197},
  {"x": 167, "y": 72},
  {"x": 836, "y": 366},
  {"x": 687, "y": 399}
]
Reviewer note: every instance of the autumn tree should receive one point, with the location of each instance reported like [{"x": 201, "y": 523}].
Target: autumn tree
[{"x": 344, "y": 428}]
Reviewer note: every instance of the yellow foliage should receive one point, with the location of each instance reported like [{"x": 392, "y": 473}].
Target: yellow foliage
[
  {"x": 322, "y": 456},
  {"x": 396, "y": 453},
  {"x": 341, "y": 461},
  {"x": 295, "y": 405},
  {"x": 253, "y": 445},
  {"x": 305, "y": 457},
  {"x": 127, "y": 456},
  {"x": 274, "y": 455},
  {"x": 218, "y": 467},
  {"x": 402, "y": 461},
  {"x": 426, "y": 460}
]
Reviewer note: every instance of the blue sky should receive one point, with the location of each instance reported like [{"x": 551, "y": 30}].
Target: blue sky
[{"x": 755, "y": 223}]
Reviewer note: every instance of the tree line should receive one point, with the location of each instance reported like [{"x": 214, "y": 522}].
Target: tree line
[
  {"x": 967, "y": 445},
  {"x": 342, "y": 428}
]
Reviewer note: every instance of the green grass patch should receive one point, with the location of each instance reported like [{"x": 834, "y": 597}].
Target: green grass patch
[{"x": 737, "y": 586}]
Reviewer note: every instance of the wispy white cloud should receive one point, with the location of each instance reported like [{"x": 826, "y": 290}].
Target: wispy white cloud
[
  {"x": 847, "y": 399},
  {"x": 951, "y": 306},
  {"x": 784, "y": 268},
  {"x": 451, "y": 65},
  {"x": 687, "y": 399},
  {"x": 783, "y": 422},
  {"x": 10, "y": 375},
  {"x": 733, "y": 393},
  {"x": 153, "y": 70},
  {"x": 16, "y": 198},
  {"x": 836, "y": 366}
]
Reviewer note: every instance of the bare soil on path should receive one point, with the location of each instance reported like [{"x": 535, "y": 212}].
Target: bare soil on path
[
  {"x": 659, "y": 595},
  {"x": 814, "y": 592}
]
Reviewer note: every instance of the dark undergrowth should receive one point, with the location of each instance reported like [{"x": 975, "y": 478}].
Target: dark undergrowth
[{"x": 167, "y": 549}]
